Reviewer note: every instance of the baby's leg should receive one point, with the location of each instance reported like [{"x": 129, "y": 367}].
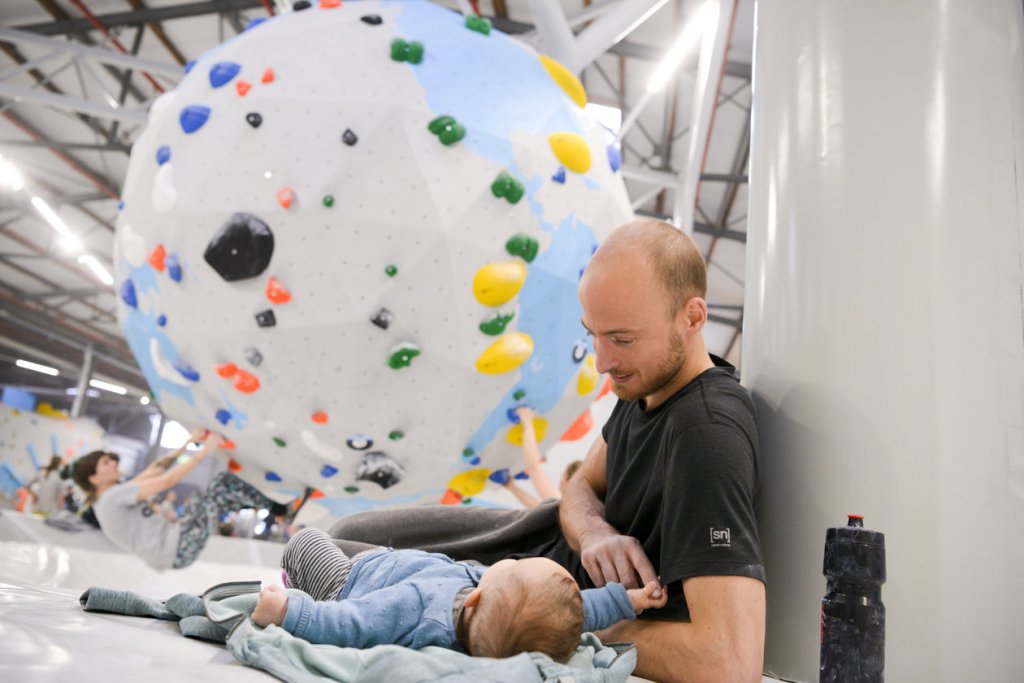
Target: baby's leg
[{"x": 315, "y": 565}]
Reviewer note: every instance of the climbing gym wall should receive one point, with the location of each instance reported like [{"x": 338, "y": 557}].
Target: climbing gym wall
[{"x": 351, "y": 239}]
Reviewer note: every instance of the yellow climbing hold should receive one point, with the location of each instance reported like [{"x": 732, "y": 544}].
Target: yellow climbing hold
[
  {"x": 497, "y": 283},
  {"x": 515, "y": 435},
  {"x": 572, "y": 150},
  {"x": 587, "y": 379},
  {"x": 565, "y": 80},
  {"x": 506, "y": 354},
  {"x": 470, "y": 482}
]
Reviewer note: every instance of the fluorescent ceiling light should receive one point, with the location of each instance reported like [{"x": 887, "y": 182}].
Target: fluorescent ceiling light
[
  {"x": 29, "y": 365},
  {"x": 10, "y": 176},
  {"x": 101, "y": 273},
  {"x": 695, "y": 29},
  {"x": 107, "y": 386},
  {"x": 51, "y": 216}
]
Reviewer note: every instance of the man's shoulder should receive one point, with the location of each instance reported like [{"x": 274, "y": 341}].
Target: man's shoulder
[{"x": 714, "y": 397}]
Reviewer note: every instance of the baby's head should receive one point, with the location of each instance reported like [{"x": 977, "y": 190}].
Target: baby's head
[{"x": 530, "y": 605}]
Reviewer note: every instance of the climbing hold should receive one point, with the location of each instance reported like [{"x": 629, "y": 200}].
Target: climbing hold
[
  {"x": 300, "y": 5},
  {"x": 572, "y": 150},
  {"x": 173, "y": 267},
  {"x": 402, "y": 51},
  {"x": 128, "y": 293},
  {"x": 222, "y": 73},
  {"x": 579, "y": 352},
  {"x": 273, "y": 476},
  {"x": 285, "y": 197},
  {"x": 371, "y": 19},
  {"x": 349, "y": 137},
  {"x": 522, "y": 476},
  {"x": 223, "y": 416},
  {"x": 254, "y": 119},
  {"x": 233, "y": 465},
  {"x": 506, "y": 354},
  {"x": 156, "y": 258},
  {"x": 163, "y": 155},
  {"x": 266, "y": 318},
  {"x": 279, "y": 442},
  {"x": 382, "y": 319},
  {"x": 351, "y": 489},
  {"x": 391, "y": 271},
  {"x": 320, "y": 417},
  {"x": 241, "y": 249},
  {"x": 330, "y": 4},
  {"x": 189, "y": 64},
  {"x": 512, "y": 415},
  {"x": 246, "y": 382},
  {"x": 579, "y": 428},
  {"x": 253, "y": 23},
  {"x": 161, "y": 320},
  {"x": 328, "y": 200},
  {"x": 478, "y": 24},
  {"x": 186, "y": 370},
  {"x": 496, "y": 283},
  {"x": 317, "y": 493},
  {"x": 605, "y": 388},
  {"x": 468, "y": 452},
  {"x": 587, "y": 379},
  {"x": 396, "y": 434},
  {"x": 470, "y": 482},
  {"x": 381, "y": 469},
  {"x": 227, "y": 370},
  {"x": 253, "y": 356},
  {"x": 614, "y": 157},
  {"x": 242, "y": 87},
  {"x": 328, "y": 471},
  {"x": 401, "y": 355},
  {"x": 500, "y": 476},
  {"x": 559, "y": 176},
  {"x": 451, "y": 498},
  {"x": 277, "y": 292},
  {"x": 523, "y": 246},
  {"x": 359, "y": 442},
  {"x": 519, "y": 394},
  {"x": 495, "y": 324},
  {"x": 448, "y": 130},
  {"x": 268, "y": 76},
  {"x": 508, "y": 187},
  {"x": 565, "y": 80},
  {"x": 228, "y": 445},
  {"x": 193, "y": 117},
  {"x": 515, "y": 433}
]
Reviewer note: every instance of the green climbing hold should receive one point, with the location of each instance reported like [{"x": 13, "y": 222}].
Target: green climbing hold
[
  {"x": 328, "y": 200},
  {"x": 467, "y": 501},
  {"x": 280, "y": 442},
  {"x": 396, "y": 434},
  {"x": 519, "y": 394},
  {"x": 351, "y": 489},
  {"x": 478, "y": 24},
  {"x": 448, "y": 130},
  {"x": 402, "y": 51},
  {"x": 495, "y": 324},
  {"x": 391, "y": 271},
  {"x": 401, "y": 356},
  {"x": 468, "y": 452},
  {"x": 508, "y": 187},
  {"x": 524, "y": 246}
]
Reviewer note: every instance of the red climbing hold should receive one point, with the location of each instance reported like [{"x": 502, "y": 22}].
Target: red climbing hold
[
  {"x": 606, "y": 388},
  {"x": 156, "y": 258},
  {"x": 268, "y": 76},
  {"x": 234, "y": 466},
  {"x": 580, "y": 427},
  {"x": 285, "y": 197},
  {"x": 330, "y": 4},
  {"x": 229, "y": 445},
  {"x": 227, "y": 370},
  {"x": 277, "y": 292},
  {"x": 451, "y": 497},
  {"x": 319, "y": 417},
  {"x": 317, "y": 493},
  {"x": 242, "y": 87},
  {"x": 246, "y": 382}
]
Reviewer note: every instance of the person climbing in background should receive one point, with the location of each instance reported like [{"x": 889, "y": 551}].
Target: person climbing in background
[
  {"x": 415, "y": 599},
  {"x": 126, "y": 518},
  {"x": 45, "y": 491},
  {"x": 532, "y": 466}
]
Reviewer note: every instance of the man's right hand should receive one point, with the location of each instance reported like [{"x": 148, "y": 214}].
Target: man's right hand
[{"x": 614, "y": 557}]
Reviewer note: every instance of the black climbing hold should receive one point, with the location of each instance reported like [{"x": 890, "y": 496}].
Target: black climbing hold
[
  {"x": 254, "y": 119},
  {"x": 359, "y": 442},
  {"x": 349, "y": 138},
  {"x": 266, "y": 318},
  {"x": 382, "y": 319},
  {"x": 300, "y": 5},
  {"x": 371, "y": 19},
  {"x": 579, "y": 352},
  {"x": 381, "y": 469},
  {"x": 253, "y": 356},
  {"x": 241, "y": 249}
]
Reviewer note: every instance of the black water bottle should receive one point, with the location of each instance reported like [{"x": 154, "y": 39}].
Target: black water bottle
[{"x": 852, "y": 613}]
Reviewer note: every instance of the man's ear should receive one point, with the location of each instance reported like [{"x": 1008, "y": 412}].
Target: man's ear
[{"x": 693, "y": 314}]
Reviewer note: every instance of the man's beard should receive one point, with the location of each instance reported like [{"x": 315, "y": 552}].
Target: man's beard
[{"x": 666, "y": 372}]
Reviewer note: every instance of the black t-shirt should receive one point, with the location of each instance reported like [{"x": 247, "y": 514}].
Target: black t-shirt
[{"x": 682, "y": 479}]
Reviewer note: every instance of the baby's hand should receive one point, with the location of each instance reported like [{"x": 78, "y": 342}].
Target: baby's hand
[
  {"x": 652, "y": 595},
  {"x": 272, "y": 607}
]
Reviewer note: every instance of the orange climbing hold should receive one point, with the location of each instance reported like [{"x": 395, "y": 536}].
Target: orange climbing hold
[
  {"x": 330, "y": 4},
  {"x": 242, "y": 87},
  {"x": 227, "y": 370},
  {"x": 233, "y": 466},
  {"x": 277, "y": 292},
  {"x": 246, "y": 382},
  {"x": 451, "y": 497},
  {"x": 319, "y": 417},
  {"x": 578, "y": 429},
  {"x": 228, "y": 445},
  {"x": 317, "y": 493},
  {"x": 285, "y": 197},
  {"x": 268, "y": 76},
  {"x": 606, "y": 388},
  {"x": 156, "y": 258}
]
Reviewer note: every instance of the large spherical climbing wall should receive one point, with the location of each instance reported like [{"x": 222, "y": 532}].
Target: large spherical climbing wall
[{"x": 351, "y": 239}]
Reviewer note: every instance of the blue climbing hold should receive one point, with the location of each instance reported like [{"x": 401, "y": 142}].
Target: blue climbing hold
[
  {"x": 120, "y": 206},
  {"x": 163, "y": 155},
  {"x": 522, "y": 476},
  {"x": 128, "y": 293},
  {"x": 253, "y": 23},
  {"x": 193, "y": 117},
  {"x": 475, "y": 460},
  {"x": 500, "y": 476},
  {"x": 273, "y": 476},
  {"x": 559, "y": 176},
  {"x": 161, "y": 320},
  {"x": 328, "y": 471},
  {"x": 512, "y": 416},
  {"x": 186, "y": 371},
  {"x": 189, "y": 64},
  {"x": 223, "y": 416},
  {"x": 222, "y": 72},
  {"x": 614, "y": 158},
  {"x": 173, "y": 267}
]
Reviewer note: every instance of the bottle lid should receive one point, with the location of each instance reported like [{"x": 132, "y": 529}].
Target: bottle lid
[{"x": 855, "y": 520}]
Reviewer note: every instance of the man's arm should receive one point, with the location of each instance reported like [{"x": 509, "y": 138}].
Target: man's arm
[{"x": 722, "y": 643}]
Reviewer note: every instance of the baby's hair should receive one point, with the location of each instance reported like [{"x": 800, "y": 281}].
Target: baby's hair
[{"x": 512, "y": 619}]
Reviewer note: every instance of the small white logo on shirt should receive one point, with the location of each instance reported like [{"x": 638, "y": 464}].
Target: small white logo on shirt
[{"x": 720, "y": 537}]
